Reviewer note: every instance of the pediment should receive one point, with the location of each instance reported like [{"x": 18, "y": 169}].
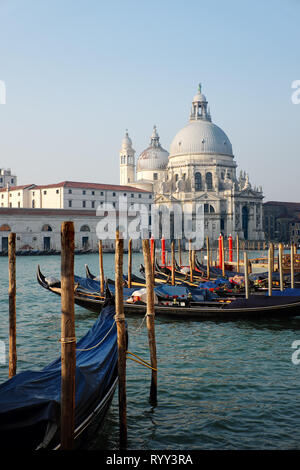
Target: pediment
[{"x": 207, "y": 197}]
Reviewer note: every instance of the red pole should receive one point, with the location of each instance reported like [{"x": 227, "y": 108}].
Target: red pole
[
  {"x": 220, "y": 252},
  {"x": 230, "y": 247},
  {"x": 152, "y": 248},
  {"x": 163, "y": 251}
]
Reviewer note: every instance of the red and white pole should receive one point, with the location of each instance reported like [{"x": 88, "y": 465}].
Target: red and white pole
[{"x": 230, "y": 248}]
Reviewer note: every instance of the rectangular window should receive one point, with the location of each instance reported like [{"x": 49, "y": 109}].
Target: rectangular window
[
  {"x": 70, "y": 191},
  {"x": 93, "y": 204},
  {"x": 140, "y": 196},
  {"x": 45, "y": 192},
  {"x": 101, "y": 194},
  {"x": 83, "y": 203},
  {"x": 113, "y": 194},
  {"x": 83, "y": 192},
  {"x": 150, "y": 196},
  {"x": 70, "y": 203},
  {"x": 57, "y": 191},
  {"x": 155, "y": 176},
  {"x": 132, "y": 195},
  {"x": 19, "y": 204},
  {"x": 93, "y": 193},
  {"x": 12, "y": 180}
]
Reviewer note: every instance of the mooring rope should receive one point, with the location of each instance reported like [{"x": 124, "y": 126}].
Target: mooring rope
[
  {"x": 101, "y": 341},
  {"x": 142, "y": 363}
]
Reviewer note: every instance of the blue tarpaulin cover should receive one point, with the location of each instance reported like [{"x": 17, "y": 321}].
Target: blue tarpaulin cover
[
  {"x": 93, "y": 285},
  {"x": 33, "y": 397},
  {"x": 286, "y": 292}
]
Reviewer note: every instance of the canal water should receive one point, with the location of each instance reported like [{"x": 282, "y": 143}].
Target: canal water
[{"x": 221, "y": 384}]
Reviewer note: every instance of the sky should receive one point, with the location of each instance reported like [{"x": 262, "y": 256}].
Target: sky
[{"x": 78, "y": 73}]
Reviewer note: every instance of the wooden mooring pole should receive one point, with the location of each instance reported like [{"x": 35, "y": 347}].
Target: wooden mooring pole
[
  {"x": 237, "y": 254},
  {"x": 190, "y": 261},
  {"x": 246, "y": 272},
  {"x": 292, "y": 267},
  {"x": 101, "y": 269},
  {"x": 68, "y": 339},
  {"x": 179, "y": 253},
  {"x": 12, "y": 361},
  {"x": 150, "y": 316},
  {"x": 173, "y": 262},
  {"x": 207, "y": 258},
  {"x": 121, "y": 331},
  {"x": 129, "y": 262},
  {"x": 280, "y": 267},
  {"x": 270, "y": 269}
]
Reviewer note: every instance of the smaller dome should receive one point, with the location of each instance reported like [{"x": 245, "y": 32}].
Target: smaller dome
[
  {"x": 199, "y": 97},
  {"x": 154, "y": 157}
]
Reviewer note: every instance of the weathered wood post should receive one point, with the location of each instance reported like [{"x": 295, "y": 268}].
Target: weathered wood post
[
  {"x": 292, "y": 267},
  {"x": 270, "y": 269},
  {"x": 246, "y": 271},
  {"x": 68, "y": 339},
  {"x": 207, "y": 258},
  {"x": 121, "y": 332},
  {"x": 223, "y": 257},
  {"x": 271, "y": 246},
  {"x": 190, "y": 261},
  {"x": 173, "y": 262},
  {"x": 12, "y": 360},
  {"x": 280, "y": 254},
  {"x": 153, "y": 255},
  {"x": 179, "y": 253},
  {"x": 193, "y": 259},
  {"x": 237, "y": 253},
  {"x": 101, "y": 270},
  {"x": 129, "y": 262},
  {"x": 150, "y": 316}
]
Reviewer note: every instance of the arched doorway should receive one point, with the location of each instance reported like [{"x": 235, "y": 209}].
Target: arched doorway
[{"x": 245, "y": 220}]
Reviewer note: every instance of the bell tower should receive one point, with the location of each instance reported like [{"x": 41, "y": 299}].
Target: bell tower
[{"x": 127, "y": 162}]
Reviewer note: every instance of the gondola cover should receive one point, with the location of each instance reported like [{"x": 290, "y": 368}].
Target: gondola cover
[{"x": 30, "y": 401}]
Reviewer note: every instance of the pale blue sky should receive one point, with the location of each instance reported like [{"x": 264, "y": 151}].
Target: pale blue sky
[{"x": 78, "y": 73}]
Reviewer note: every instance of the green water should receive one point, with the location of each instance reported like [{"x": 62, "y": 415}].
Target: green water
[{"x": 221, "y": 385}]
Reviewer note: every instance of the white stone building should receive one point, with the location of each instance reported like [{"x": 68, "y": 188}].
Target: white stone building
[
  {"x": 35, "y": 213},
  {"x": 199, "y": 169}
]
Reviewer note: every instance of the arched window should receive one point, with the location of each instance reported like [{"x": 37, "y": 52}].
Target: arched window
[
  {"x": 198, "y": 183},
  {"x": 84, "y": 228},
  {"x": 5, "y": 228},
  {"x": 209, "y": 182},
  {"x": 46, "y": 228},
  {"x": 208, "y": 208}
]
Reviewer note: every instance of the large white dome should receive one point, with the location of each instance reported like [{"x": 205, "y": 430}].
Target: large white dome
[{"x": 200, "y": 137}]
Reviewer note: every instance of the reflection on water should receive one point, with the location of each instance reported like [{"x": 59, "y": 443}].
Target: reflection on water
[{"x": 221, "y": 385}]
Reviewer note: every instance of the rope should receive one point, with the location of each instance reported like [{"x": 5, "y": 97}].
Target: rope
[
  {"x": 101, "y": 341},
  {"x": 138, "y": 330},
  {"x": 142, "y": 363}
]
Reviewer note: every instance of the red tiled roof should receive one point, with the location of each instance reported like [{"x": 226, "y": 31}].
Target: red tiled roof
[
  {"x": 15, "y": 188},
  {"x": 77, "y": 184}
]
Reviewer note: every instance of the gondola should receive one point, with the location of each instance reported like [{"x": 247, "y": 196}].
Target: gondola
[
  {"x": 30, "y": 401},
  {"x": 259, "y": 306}
]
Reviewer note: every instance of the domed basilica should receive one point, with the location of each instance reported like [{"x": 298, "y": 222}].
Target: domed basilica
[{"x": 200, "y": 169}]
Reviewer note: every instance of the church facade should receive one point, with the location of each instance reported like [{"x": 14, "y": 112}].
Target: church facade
[{"x": 200, "y": 168}]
